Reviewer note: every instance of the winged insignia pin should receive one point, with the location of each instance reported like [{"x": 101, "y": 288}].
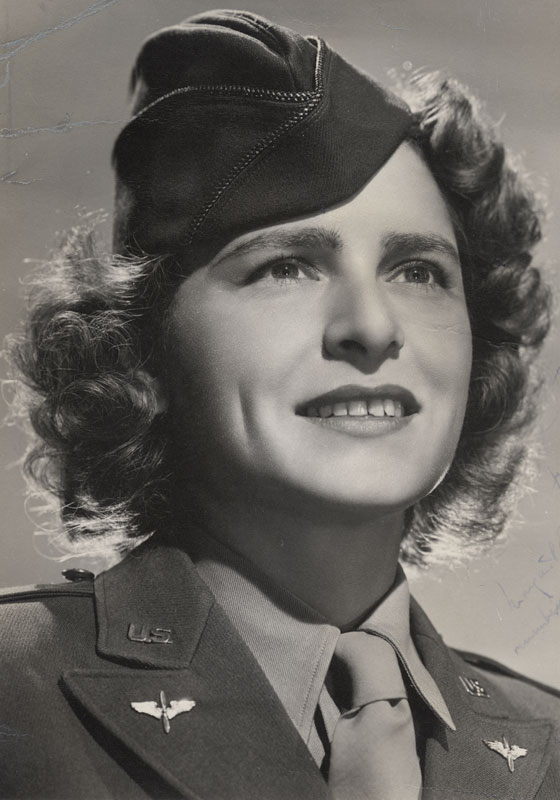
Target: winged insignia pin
[
  {"x": 510, "y": 753},
  {"x": 163, "y": 711}
]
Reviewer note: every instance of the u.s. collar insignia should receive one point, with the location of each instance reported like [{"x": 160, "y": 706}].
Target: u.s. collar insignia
[
  {"x": 163, "y": 711},
  {"x": 474, "y": 687},
  {"x": 143, "y": 633},
  {"x": 510, "y": 753}
]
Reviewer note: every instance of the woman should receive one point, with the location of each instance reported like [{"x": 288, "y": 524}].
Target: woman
[{"x": 310, "y": 353}]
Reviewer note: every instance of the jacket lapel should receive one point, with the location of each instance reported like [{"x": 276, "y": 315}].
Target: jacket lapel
[
  {"x": 160, "y": 630},
  {"x": 237, "y": 740},
  {"x": 458, "y": 765}
]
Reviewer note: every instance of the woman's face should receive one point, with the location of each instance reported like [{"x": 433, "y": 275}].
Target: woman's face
[{"x": 329, "y": 355}]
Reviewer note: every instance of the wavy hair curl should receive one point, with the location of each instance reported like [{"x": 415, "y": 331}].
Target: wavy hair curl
[{"x": 97, "y": 322}]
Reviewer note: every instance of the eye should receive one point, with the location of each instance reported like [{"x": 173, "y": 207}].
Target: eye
[
  {"x": 284, "y": 271},
  {"x": 420, "y": 273}
]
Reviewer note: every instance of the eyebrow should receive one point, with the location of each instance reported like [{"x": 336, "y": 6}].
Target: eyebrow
[
  {"x": 397, "y": 243},
  {"x": 311, "y": 237},
  {"x": 394, "y": 243}
]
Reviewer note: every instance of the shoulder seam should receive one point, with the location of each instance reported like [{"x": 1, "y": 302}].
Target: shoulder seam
[
  {"x": 24, "y": 593},
  {"x": 484, "y": 662}
]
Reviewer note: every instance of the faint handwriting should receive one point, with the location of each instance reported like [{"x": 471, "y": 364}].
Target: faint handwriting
[
  {"x": 524, "y": 595},
  {"x": 546, "y": 562},
  {"x": 537, "y": 591},
  {"x": 547, "y": 617}
]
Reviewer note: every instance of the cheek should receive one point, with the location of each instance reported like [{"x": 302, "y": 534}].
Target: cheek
[
  {"x": 225, "y": 357},
  {"x": 444, "y": 355},
  {"x": 444, "y": 348},
  {"x": 453, "y": 367}
]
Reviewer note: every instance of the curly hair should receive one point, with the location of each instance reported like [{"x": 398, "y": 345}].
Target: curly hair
[
  {"x": 498, "y": 224},
  {"x": 97, "y": 323}
]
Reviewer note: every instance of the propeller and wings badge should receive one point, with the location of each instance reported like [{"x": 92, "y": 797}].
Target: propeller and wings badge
[
  {"x": 510, "y": 753},
  {"x": 164, "y": 711}
]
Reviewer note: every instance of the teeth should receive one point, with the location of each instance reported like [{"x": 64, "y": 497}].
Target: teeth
[
  {"x": 389, "y": 408},
  {"x": 376, "y": 407},
  {"x": 357, "y": 408}
]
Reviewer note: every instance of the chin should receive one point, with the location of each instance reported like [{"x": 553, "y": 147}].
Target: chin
[
  {"x": 391, "y": 470},
  {"x": 377, "y": 491}
]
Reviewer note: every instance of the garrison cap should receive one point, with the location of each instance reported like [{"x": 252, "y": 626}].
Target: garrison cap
[{"x": 239, "y": 123}]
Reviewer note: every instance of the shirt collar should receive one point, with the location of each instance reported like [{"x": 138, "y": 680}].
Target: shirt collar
[
  {"x": 294, "y": 645},
  {"x": 390, "y": 619}
]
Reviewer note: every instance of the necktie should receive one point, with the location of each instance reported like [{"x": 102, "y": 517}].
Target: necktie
[{"x": 373, "y": 750}]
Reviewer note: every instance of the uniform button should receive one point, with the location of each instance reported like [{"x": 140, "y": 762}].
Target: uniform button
[{"x": 77, "y": 575}]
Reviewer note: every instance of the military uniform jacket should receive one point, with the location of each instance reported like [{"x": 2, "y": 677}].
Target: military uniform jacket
[{"x": 76, "y": 656}]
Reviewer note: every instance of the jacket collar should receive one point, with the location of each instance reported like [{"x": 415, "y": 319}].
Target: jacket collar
[
  {"x": 152, "y": 608},
  {"x": 458, "y": 765},
  {"x": 238, "y": 741}
]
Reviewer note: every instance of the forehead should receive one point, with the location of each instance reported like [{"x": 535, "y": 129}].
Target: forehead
[{"x": 402, "y": 198}]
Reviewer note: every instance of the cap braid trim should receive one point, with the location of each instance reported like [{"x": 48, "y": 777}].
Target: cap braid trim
[
  {"x": 315, "y": 99},
  {"x": 245, "y": 91}
]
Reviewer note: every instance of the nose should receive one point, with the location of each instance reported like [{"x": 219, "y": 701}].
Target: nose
[{"x": 363, "y": 328}]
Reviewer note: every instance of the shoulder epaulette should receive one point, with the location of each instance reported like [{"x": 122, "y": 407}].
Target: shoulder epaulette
[
  {"x": 489, "y": 664},
  {"x": 15, "y": 594}
]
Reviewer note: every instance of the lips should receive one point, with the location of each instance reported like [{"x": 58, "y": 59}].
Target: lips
[{"x": 359, "y": 401}]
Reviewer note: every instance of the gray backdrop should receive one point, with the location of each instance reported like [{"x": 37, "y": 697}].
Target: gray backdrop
[{"x": 64, "y": 69}]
